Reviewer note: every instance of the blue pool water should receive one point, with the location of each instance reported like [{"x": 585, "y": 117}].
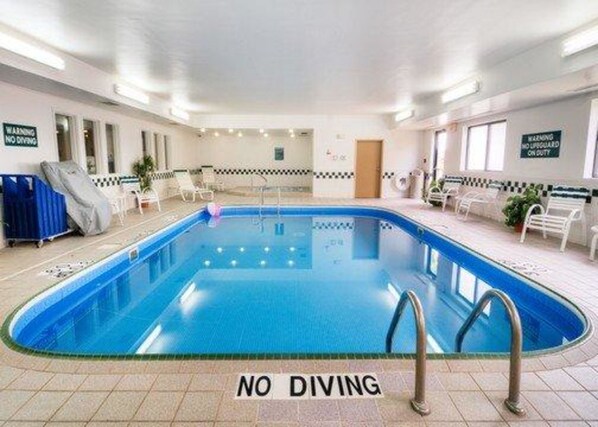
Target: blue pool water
[{"x": 312, "y": 280}]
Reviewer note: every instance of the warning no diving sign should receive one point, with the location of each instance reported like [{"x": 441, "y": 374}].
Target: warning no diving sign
[{"x": 300, "y": 386}]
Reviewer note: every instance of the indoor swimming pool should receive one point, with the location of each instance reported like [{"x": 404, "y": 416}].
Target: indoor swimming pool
[{"x": 312, "y": 280}]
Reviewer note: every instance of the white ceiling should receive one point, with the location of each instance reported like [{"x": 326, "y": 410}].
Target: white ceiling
[{"x": 294, "y": 56}]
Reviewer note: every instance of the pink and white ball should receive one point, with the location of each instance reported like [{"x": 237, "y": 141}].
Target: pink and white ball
[{"x": 214, "y": 209}]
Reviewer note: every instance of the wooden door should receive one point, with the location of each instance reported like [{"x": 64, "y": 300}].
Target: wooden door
[{"x": 368, "y": 164}]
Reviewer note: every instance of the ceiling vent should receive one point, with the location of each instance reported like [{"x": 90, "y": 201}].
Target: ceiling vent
[
  {"x": 585, "y": 88},
  {"x": 110, "y": 103}
]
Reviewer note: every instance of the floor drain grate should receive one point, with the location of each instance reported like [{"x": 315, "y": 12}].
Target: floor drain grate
[
  {"x": 60, "y": 271},
  {"x": 525, "y": 267}
]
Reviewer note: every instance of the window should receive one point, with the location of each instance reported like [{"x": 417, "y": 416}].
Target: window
[
  {"x": 167, "y": 153},
  {"x": 90, "y": 138},
  {"x": 156, "y": 152},
  {"x": 145, "y": 149},
  {"x": 595, "y": 175},
  {"x": 64, "y": 137},
  {"x": 111, "y": 135},
  {"x": 486, "y": 147},
  {"x": 439, "y": 151}
]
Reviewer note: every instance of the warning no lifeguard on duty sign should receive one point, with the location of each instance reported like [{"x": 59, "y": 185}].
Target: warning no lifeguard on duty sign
[{"x": 315, "y": 386}]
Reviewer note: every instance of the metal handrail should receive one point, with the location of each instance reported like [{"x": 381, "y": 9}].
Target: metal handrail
[
  {"x": 259, "y": 175},
  {"x": 512, "y": 402},
  {"x": 418, "y": 403}
]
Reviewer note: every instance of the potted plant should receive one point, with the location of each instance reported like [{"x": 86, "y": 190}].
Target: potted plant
[
  {"x": 518, "y": 205},
  {"x": 142, "y": 169}
]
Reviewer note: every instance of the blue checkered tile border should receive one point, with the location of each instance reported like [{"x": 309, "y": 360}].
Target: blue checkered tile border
[
  {"x": 251, "y": 171},
  {"x": 518, "y": 187}
]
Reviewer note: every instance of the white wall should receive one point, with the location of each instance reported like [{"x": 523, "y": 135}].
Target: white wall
[
  {"x": 23, "y": 106},
  {"x": 254, "y": 151},
  {"x": 573, "y": 116},
  {"x": 334, "y": 139}
]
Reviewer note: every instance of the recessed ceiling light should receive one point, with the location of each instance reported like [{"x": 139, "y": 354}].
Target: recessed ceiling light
[
  {"x": 261, "y": 130},
  {"x": 240, "y": 134},
  {"x": 265, "y": 135},
  {"x": 231, "y": 130},
  {"x": 202, "y": 130},
  {"x": 179, "y": 113},
  {"x": 291, "y": 131},
  {"x": 30, "y": 51},
  {"x": 131, "y": 93},
  {"x": 580, "y": 41},
  {"x": 292, "y": 135},
  {"x": 403, "y": 115},
  {"x": 216, "y": 133},
  {"x": 461, "y": 91}
]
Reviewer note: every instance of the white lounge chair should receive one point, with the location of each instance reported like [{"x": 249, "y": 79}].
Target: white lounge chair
[
  {"x": 208, "y": 178},
  {"x": 594, "y": 243},
  {"x": 565, "y": 206},
  {"x": 147, "y": 196},
  {"x": 186, "y": 186},
  {"x": 483, "y": 198},
  {"x": 452, "y": 185}
]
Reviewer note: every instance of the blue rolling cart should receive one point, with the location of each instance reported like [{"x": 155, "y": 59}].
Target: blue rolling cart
[{"x": 32, "y": 210}]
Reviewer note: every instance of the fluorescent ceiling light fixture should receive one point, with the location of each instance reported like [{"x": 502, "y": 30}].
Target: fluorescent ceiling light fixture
[
  {"x": 291, "y": 130},
  {"x": 202, "y": 130},
  {"x": 31, "y": 52},
  {"x": 265, "y": 135},
  {"x": 460, "y": 91},
  {"x": 216, "y": 133},
  {"x": 261, "y": 130},
  {"x": 403, "y": 115},
  {"x": 188, "y": 292},
  {"x": 231, "y": 130},
  {"x": 580, "y": 41},
  {"x": 131, "y": 93},
  {"x": 181, "y": 114},
  {"x": 147, "y": 343}
]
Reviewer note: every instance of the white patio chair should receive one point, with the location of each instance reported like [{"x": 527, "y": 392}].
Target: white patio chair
[
  {"x": 452, "y": 185},
  {"x": 483, "y": 198},
  {"x": 149, "y": 196},
  {"x": 209, "y": 180},
  {"x": 594, "y": 243},
  {"x": 565, "y": 206},
  {"x": 186, "y": 186}
]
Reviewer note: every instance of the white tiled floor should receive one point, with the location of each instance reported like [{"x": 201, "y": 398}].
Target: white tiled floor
[{"x": 559, "y": 389}]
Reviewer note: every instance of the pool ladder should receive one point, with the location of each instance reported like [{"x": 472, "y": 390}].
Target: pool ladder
[
  {"x": 418, "y": 403},
  {"x": 262, "y": 189},
  {"x": 513, "y": 401}
]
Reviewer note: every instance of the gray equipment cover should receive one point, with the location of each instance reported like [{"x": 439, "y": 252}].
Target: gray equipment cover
[{"x": 86, "y": 205}]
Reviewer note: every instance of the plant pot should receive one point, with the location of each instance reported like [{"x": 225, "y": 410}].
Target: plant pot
[
  {"x": 144, "y": 205},
  {"x": 519, "y": 228}
]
